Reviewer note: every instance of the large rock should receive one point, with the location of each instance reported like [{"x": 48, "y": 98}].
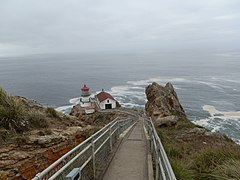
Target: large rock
[{"x": 163, "y": 105}]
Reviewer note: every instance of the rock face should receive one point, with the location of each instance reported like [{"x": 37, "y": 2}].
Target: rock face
[
  {"x": 99, "y": 118},
  {"x": 163, "y": 105}
]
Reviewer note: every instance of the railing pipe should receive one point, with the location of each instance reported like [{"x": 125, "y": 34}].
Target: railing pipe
[
  {"x": 59, "y": 166},
  {"x": 93, "y": 158},
  {"x": 159, "y": 155}
]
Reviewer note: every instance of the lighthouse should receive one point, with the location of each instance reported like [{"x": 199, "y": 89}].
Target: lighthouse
[{"x": 85, "y": 100}]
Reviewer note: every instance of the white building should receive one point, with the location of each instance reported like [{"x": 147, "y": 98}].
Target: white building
[{"x": 105, "y": 101}]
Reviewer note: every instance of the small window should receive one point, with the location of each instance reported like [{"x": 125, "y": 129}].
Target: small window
[{"x": 107, "y": 101}]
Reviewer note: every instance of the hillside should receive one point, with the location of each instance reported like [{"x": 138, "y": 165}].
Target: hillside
[
  {"x": 33, "y": 136},
  {"x": 194, "y": 152}
]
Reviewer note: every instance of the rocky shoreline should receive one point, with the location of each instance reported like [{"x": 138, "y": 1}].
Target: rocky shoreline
[
  {"x": 45, "y": 135},
  {"x": 42, "y": 135},
  {"x": 194, "y": 152}
]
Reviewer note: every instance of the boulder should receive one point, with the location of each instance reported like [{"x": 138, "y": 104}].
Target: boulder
[
  {"x": 166, "y": 121},
  {"x": 163, "y": 105}
]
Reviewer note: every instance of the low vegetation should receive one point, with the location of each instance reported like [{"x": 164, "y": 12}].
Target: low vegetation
[
  {"x": 51, "y": 112},
  {"x": 197, "y": 154},
  {"x": 12, "y": 112},
  {"x": 16, "y": 117}
]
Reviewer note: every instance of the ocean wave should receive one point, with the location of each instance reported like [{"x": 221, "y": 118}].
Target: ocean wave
[
  {"x": 216, "y": 113},
  {"x": 221, "y": 79},
  {"x": 212, "y": 85},
  {"x": 65, "y": 109},
  {"x": 74, "y": 100},
  {"x": 227, "y": 122},
  {"x": 132, "y": 95}
]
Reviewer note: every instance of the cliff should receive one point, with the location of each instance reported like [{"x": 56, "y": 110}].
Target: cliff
[
  {"x": 33, "y": 136},
  {"x": 163, "y": 105},
  {"x": 194, "y": 152}
]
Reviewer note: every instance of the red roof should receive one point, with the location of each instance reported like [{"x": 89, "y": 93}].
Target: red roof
[
  {"x": 103, "y": 96},
  {"x": 85, "y": 88}
]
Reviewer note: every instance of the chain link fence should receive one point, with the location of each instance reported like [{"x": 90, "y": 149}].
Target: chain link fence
[
  {"x": 90, "y": 156},
  {"x": 161, "y": 164}
]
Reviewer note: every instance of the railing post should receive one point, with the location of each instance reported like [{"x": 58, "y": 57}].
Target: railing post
[
  {"x": 118, "y": 126},
  {"x": 93, "y": 158},
  {"x": 157, "y": 165},
  {"x": 110, "y": 137}
]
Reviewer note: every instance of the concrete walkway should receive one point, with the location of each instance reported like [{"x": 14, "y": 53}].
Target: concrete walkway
[{"x": 130, "y": 160}]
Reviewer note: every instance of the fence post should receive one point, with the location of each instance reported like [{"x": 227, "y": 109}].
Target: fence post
[
  {"x": 157, "y": 164},
  {"x": 110, "y": 137},
  {"x": 118, "y": 126},
  {"x": 93, "y": 158}
]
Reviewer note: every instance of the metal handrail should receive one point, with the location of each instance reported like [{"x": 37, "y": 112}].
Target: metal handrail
[
  {"x": 60, "y": 166},
  {"x": 163, "y": 168}
]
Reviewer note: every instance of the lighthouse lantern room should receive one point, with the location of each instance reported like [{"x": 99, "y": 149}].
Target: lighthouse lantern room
[{"x": 85, "y": 99}]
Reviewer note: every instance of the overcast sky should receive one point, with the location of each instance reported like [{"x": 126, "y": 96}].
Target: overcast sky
[{"x": 54, "y": 26}]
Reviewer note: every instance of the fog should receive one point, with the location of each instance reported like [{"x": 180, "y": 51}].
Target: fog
[{"x": 83, "y": 26}]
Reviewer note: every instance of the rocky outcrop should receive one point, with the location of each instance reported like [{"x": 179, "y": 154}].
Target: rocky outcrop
[
  {"x": 23, "y": 161},
  {"x": 99, "y": 118},
  {"x": 163, "y": 105},
  {"x": 41, "y": 135}
]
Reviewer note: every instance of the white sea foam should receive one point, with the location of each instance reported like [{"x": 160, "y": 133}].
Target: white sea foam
[
  {"x": 159, "y": 80},
  {"x": 138, "y": 83},
  {"x": 212, "y": 85},
  {"x": 221, "y": 79},
  {"x": 132, "y": 94},
  {"x": 216, "y": 113},
  {"x": 74, "y": 100},
  {"x": 221, "y": 121},
  {"x": 64, "y": 109}
]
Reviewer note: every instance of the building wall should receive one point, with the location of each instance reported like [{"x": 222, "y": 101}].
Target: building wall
[
  {"x": 85, "y": 101},
  {"x": 102, "y": 104},
  {"x": 89, "y": 111}
]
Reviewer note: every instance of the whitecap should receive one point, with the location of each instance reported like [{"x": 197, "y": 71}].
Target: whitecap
[
  {"x": 74, "y": 100},
  {"x": 64, "y": 109},
  {"x": 138, "y": 83},
  {"x": 212, "y": 85},
  {"x": 216, "y": 113}
]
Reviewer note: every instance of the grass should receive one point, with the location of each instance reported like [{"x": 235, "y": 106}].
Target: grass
[
  {"x": 181, "y": 170},
  {"x": 16, "y": 117},
  {"x": 11, "y": 112},
  {"x": 229, "y": 169},
  {"x": 89, "y": 132},
  {"x": 198, "y": 156},
  {"x": 37, "y": 119},
  {"x": 51, "y": 112}
]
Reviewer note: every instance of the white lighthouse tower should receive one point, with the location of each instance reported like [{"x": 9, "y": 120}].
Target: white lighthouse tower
[{"x": 85, "y": 100}]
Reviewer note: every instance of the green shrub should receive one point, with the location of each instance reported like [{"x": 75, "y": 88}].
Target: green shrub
[
  {"x": 51, "y": 112},
  {"x": 185, "y": 124},
  {"x": 5, "y": 100},
  {"x": 11, "y": 113},
  {"x": 91, "y": 131},
  {"x": 37, "y": 119},
  {"x": 173, "y": 151},
  {"x": 209, "y": 159},
  {"x": 229, "y": 169},
  {"x": 226, "y": 138},
  {"x": 182, "y": 171}
]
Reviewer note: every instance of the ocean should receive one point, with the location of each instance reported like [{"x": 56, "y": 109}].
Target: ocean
[{"x": 207, "y": 83}]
